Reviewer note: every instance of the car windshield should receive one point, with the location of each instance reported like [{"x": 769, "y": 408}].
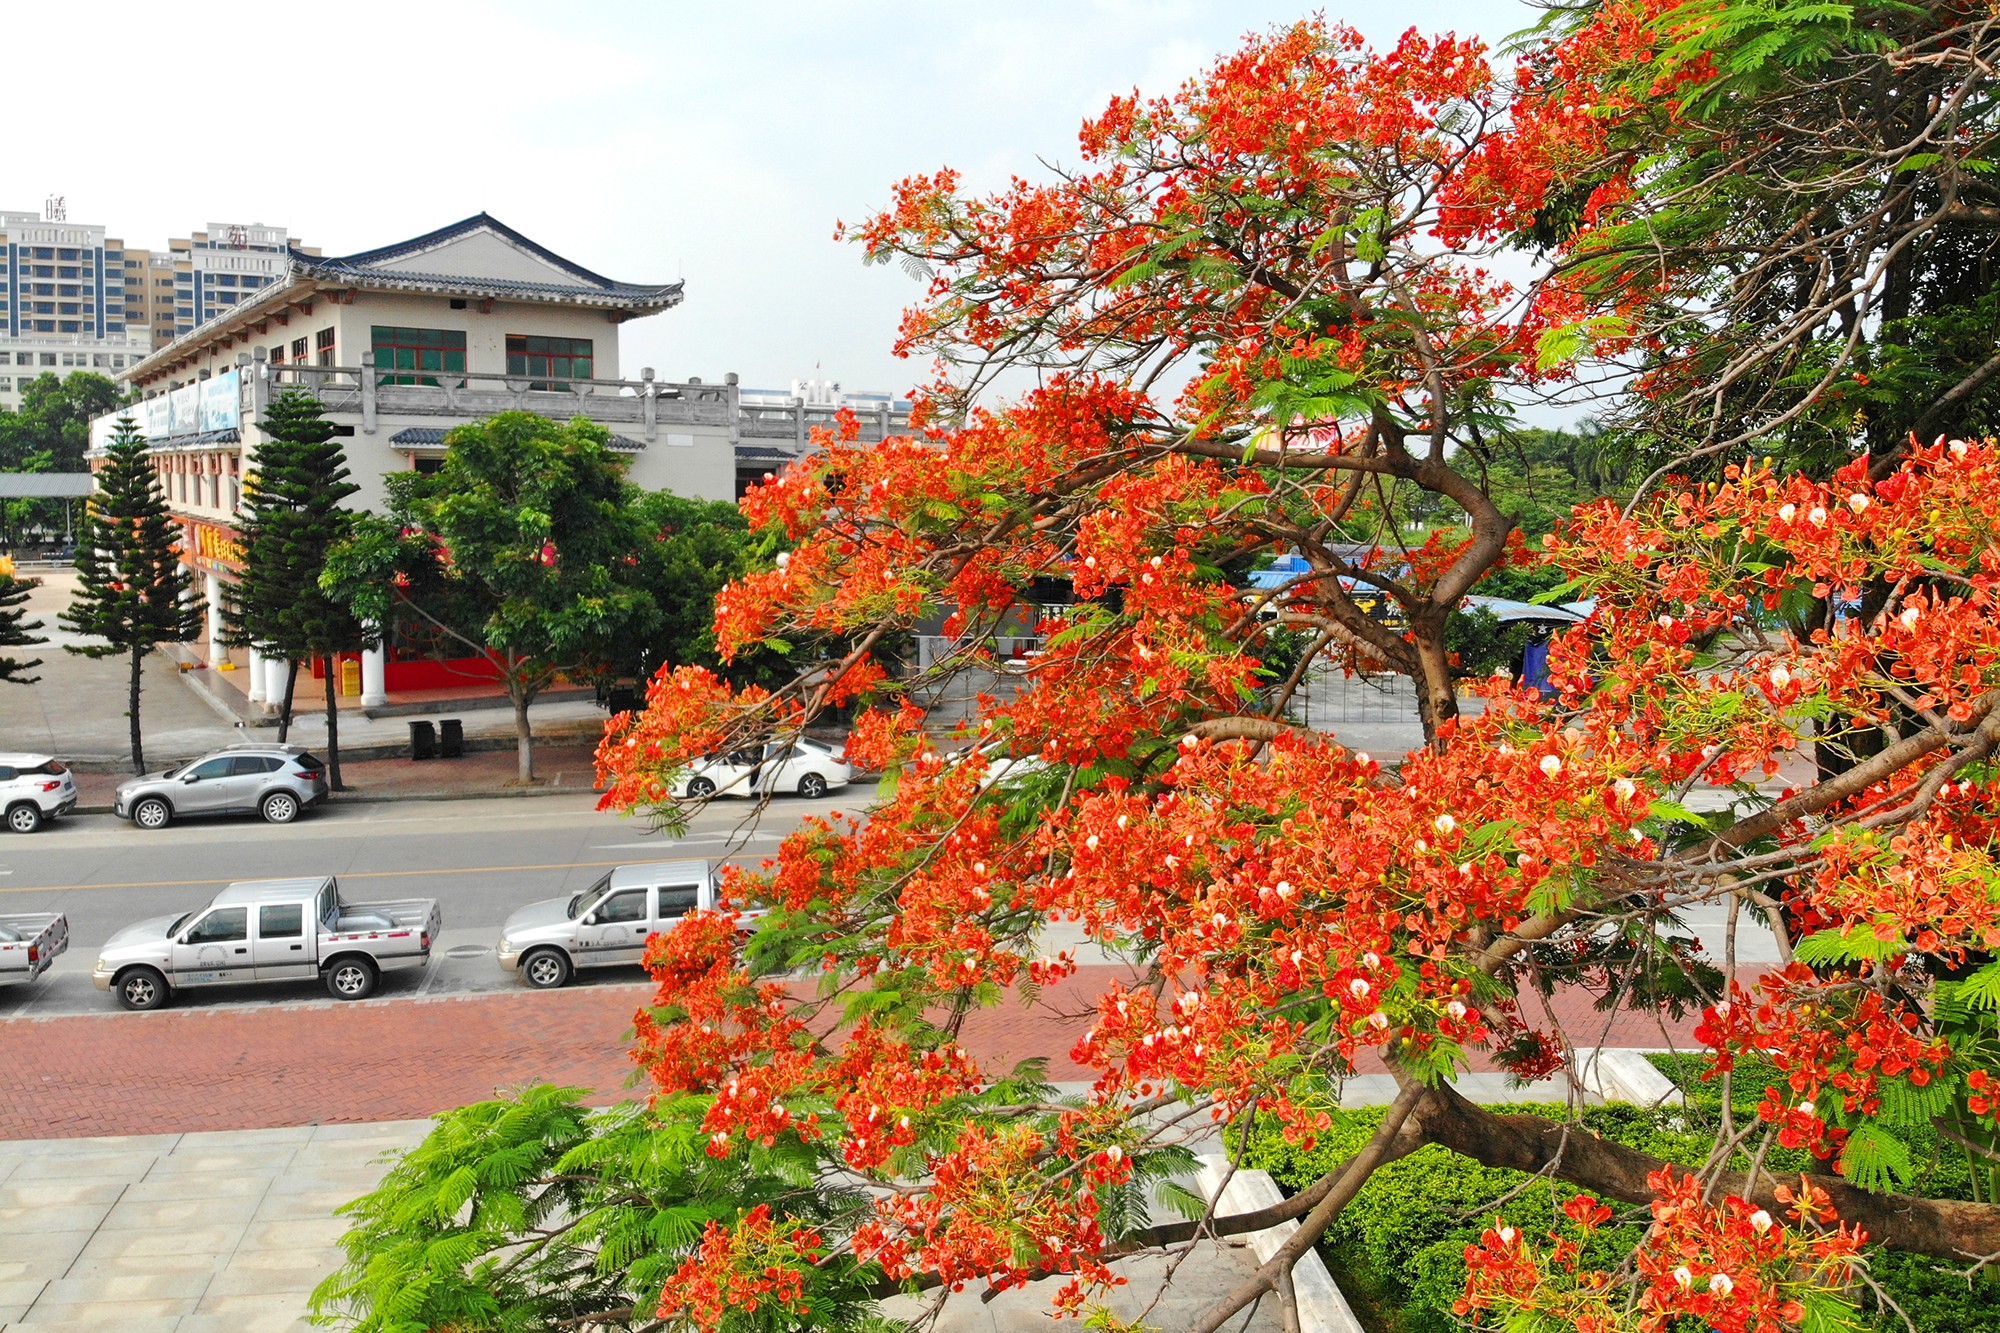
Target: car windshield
[
  {"x": 180, "y": 921},
  {"x": 589, "y": 898}
]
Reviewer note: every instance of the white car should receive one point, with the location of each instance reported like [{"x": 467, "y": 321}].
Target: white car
[
  {"x": 801, "y": 766},
  {"x": 34, "y": 788},
  {"x": 1000, "y": 765}
]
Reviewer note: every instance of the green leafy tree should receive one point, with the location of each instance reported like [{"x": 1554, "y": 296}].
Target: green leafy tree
[
  {"x": 55, "y": 415},
  {"x": 521, "y": 548},
  {"x": 686, "y": 551},
  {"x": 616, "y": 1198},
  {"x": 17, "y": 631},
  {"x": 134, "y": 592},
  {"x": 292, "y": 517}
]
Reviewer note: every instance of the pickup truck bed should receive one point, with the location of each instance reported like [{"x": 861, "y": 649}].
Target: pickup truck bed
[{"x": 29, "y": 942}]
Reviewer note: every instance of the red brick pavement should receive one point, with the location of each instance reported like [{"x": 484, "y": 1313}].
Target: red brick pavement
[{"x": 251, "y": 1068}]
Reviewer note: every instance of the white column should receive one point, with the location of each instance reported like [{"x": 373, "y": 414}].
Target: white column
[
  {"x": 257, "y": 660},
  {"x": 275, "y": 669},
  {"x": 374, "y": 676},
  {"x": 217, "y": 654}
]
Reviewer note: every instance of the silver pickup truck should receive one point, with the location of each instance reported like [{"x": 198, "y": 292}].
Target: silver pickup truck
[
  {"x": 29, "y": 942},
  {"x": 608, "y": 923},
  {"x": 269, "y": 930}
]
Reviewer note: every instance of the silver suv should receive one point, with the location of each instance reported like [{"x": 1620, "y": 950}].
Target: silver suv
[{"x": 275, "y": 781}]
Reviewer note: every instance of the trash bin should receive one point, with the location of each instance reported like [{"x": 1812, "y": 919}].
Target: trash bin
[
  {"x": 451, "y": 738},
  {"x": 622, "y": 699},
  {"x": 423, "y": 740}
]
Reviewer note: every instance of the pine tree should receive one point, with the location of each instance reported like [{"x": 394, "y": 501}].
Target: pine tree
[
  {"x": 16, "y": 631},
  {"x": 133, "y": 591},
  {"x": 291, "y": 518}
]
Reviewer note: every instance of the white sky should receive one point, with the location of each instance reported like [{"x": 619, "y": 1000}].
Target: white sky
[{"x": 647, "y": 141}]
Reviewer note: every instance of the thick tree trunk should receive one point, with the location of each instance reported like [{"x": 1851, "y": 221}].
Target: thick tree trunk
[
  {"x": 132, "y": 711},
  {"x": 524, "y": 736},
  {"x": 1437, "y": 693},
  {"x": 1944, "y": 1228},
  {"x": 285, "y": 709},
  {"x": 332, "y": 731}
]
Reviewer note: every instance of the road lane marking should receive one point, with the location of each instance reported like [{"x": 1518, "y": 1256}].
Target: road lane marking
[{"x": 346, "y": 875}]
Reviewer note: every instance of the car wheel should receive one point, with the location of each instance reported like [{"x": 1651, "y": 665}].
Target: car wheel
[
  {"x": 25, "y": 817},
  {"x": 700, "y": 787},
  {"x": 280, "y": 807},
  {"x": 142, "y": 988},
  {"x": 812, "y": 786},
  {"x": 546, "y": 969},
  {"x": 152, "y": 813},
  {"x": 351, "y": 979}
]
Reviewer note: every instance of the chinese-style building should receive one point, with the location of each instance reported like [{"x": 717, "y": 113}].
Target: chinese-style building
[{"x": 404, "y": 342}]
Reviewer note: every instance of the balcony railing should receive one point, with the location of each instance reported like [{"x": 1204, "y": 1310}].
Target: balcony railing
[{"x": 641, "y": 408}]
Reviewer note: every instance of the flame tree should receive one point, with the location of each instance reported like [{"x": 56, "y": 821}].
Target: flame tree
[{"x": 1267, "y": 302}]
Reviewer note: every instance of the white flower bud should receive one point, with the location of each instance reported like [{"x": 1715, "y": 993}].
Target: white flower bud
[
  {"x": 1858, "y": 502},
  {"x": 1760, "y": 1221},
  {"x": 1785, "y": 514},
  {"x": 1550, "y": 765},
  {"x": 1445, "y": 823},
  {"x": 1684, "y": 1277}
]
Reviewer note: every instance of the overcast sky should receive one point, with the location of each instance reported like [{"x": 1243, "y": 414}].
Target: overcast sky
[{"x": 715, "y": 143}]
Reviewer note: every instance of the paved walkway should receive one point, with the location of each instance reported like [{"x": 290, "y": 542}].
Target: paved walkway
[{"x": 230, "y": 1232}]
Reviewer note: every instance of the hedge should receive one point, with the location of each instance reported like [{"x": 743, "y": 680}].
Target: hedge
[{"x": 1398, "y": 1250}]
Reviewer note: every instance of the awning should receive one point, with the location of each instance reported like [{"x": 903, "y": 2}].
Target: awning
[{"x": 432, "y": 437}]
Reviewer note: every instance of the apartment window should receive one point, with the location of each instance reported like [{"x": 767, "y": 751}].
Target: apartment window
[
  {"x": 417, "y": 349},
  {"x": 48, "y": 358},
  {"x": 300, "y": 347},
  {"x": 278, "y": 354},
  {"x": 548, "y": 359},
  {"x": 323, "y": 347}
]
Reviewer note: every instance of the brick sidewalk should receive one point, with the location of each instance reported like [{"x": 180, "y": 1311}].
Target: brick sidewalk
[{"x": 261, "y": 1067}]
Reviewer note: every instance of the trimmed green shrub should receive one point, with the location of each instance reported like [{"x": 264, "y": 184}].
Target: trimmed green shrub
[{"x": 1398, "y": 1251}]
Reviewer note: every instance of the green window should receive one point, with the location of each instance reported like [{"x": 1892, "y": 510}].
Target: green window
[
  {"x": 548, "y": 359},
  {"x": 408, "y": 350}
]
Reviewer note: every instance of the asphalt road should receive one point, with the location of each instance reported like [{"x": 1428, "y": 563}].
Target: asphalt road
[{"x": 481, "y": 858}]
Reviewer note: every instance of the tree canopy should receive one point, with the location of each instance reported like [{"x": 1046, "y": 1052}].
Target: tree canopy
[
  {"x": 133, "y": 592},
  {"x": 291, "y": 520},
  {"x": 520, "y": 548},
  {"x": 54, "y": 418}
]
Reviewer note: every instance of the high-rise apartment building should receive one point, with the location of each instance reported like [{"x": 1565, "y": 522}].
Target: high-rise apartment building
[
  {"x": 64, "y": 303},
  {"x": 212, "y": 271}
]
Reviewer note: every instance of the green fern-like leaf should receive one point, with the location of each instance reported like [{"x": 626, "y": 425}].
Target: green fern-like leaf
[{"x": 1876, "y": 1160}]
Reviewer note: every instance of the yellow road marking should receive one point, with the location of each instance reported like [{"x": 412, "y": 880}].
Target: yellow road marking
[{"x": 353, "y": 874}]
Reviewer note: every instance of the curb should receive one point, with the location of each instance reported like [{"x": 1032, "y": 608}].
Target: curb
[
  {"x": 1321, "y": 1307},
  {"x": 1619, "y": 1074}
]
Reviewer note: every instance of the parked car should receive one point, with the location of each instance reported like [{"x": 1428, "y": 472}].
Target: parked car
[
  {"x": 34, "y": 788},
  {"x": 275, "y": 781},
  {"x": 806, "y": 767},
  {"x": 29, "y": 942},
  {"x": 608, "y": 923},
  {"x": 269, "y": 930}
]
